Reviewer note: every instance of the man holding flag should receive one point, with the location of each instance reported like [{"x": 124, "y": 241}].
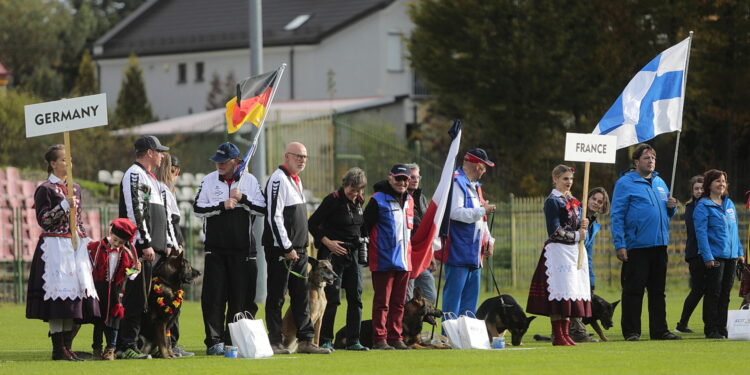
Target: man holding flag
[
  {"x": 227, "y": 202},
  {"x": 642, "y": 205},
  {"x": 469, "y": 237}
]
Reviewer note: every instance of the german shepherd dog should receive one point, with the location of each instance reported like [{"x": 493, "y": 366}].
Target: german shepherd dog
[
  {"x": 321, "y": 275},
  {"x": 601, "y": 311},
  {"x": 165, "y": 302},
  {"x": 417, "y": 311},
  {"x": 504, "y": 313}
]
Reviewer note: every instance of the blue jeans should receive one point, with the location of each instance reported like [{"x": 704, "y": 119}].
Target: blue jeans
[
  {"x": 426, "y": 282},
  {"x": 461, "y": 292}
]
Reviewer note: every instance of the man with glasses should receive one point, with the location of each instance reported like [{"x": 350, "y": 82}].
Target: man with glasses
[
  {"x": 469, "y": 235},
  {"x": 389, "y": 218},
  {"x": 425, "y": 281},
  {"x": 285, "y": 242}
]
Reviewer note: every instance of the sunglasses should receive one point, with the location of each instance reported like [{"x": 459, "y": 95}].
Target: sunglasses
[{"x": 401, "y": 178}]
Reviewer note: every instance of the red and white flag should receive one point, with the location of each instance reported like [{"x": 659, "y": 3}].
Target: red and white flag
[{"x": 432, "y": 221}]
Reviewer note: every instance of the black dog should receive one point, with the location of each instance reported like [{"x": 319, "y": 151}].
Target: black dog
[
  {"x": 501, "y": 313},
  {"x": 602, "y": 311},
  {"x": 164, "y": 303},
  {"x": 416, "y": 311}
]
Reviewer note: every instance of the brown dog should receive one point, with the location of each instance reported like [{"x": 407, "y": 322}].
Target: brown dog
[
  {"x": 417, "y": 311},
  {"x": 165, "y": 302},
  {"x": 321, "y": 275}
]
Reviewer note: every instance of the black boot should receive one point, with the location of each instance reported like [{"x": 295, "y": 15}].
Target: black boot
[
  {"x": 59, "y": 352},
  {"x": 68, "y": 340}
]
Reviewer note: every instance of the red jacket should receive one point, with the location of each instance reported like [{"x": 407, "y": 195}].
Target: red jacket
[{"x": 98, "y": 253}]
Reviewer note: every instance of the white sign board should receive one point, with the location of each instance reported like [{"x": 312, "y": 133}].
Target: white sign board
[
  {"x": 590, "y": 147},
  {"x": 66, "y": 115}
]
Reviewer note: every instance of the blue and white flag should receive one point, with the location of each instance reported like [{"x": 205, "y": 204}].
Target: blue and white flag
[{"x": 651, "y": 103}]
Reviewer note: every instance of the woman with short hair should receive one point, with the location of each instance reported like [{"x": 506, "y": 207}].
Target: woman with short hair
[
  {"x": 717, "y": 235},
  {"x": 61, "y": 287},
  {"x": 558, "y": 289},
  {"x": 337, "y": 228}
]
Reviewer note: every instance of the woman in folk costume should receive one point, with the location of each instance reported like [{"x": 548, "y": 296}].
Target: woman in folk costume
[
  {"x": 61, "y": 290},
  {"x": 114, "y": 262},
  {"x": 559, "y": 289}
]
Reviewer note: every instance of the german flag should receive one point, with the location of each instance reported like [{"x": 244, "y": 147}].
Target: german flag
[{"x": 255, "y": 93}]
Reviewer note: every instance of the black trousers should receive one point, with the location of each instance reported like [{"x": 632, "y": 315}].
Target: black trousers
[
  {"x": 697, "y": 287},
  {"x": 135, "y": 304},
  {"x": 350, "y": 278},
  {"x": 278, "y": 280},
  {"x": 229, "y": 281},
  {"x": 719, "y": 281},
  {"x": 645, "y": 269}
]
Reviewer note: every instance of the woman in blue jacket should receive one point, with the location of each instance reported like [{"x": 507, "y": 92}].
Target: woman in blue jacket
[
  {"x": 719, "y": 245},
  {"x": 695, "y": 262},
  {"x": 598, "y": 204}
]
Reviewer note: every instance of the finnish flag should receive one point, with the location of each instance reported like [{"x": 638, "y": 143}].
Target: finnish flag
[{"x": 651, "y": 103}]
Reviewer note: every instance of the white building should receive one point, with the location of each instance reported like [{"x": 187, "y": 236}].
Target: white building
[{"x": 346, "y": 49}]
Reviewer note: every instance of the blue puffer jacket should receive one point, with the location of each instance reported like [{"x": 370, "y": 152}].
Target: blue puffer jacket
[
  {"x": 716, "y": 230},
  {"x": 593, "y": 229},
  {"x": 640, "y": 217}
]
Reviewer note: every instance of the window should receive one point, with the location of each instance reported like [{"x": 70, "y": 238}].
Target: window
[
  {"x": 395, "y": 52},
  {"x": 181, "y": 73},
  {"x": 199, "y": 72}
]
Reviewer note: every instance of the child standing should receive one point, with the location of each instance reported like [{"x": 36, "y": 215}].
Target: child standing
[{"x": 113, "y": 261}]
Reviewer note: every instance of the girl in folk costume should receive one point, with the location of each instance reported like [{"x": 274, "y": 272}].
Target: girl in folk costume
[
  {"x": 61, "y": 288},
  {"x": 114, "y": 262},
  {"x": 558, "y": 288}
]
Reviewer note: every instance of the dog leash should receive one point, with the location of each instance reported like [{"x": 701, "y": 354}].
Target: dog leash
[
  {"x": 288, "y": 268},
  {"x": 492, "y": 269}
]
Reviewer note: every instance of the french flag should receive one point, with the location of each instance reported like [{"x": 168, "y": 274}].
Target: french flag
[{"x": 435, "y": 221}]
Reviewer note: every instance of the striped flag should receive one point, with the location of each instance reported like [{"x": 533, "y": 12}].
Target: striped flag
[
  {"x": 255, "y": 97},
  {"x": 433, "y": 223},
  {"x": 651, "y": 103}
]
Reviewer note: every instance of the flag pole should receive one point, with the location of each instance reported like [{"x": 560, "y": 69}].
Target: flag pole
[
  {"x": 682, "y": 104},
  {"x": 73, "y": 222},
  {"x": 582, "y": 244}
]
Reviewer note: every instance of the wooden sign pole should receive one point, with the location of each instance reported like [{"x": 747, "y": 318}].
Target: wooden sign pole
[
  {"x": 582, "y": 244},
  {"x": 69, "y": 180}
]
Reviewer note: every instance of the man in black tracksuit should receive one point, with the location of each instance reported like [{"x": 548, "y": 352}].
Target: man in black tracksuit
[
  {"x": 142, "y": 202},
  {"x": 285, "y": 243},
  {"x": 227, "y": 199}
]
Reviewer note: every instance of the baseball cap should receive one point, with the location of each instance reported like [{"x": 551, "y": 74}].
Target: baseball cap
[
  {"x": 477, "y": 155},
  {"x": 149, "y": 142},
  {"x": 175, "y": 162},
  {"x": 400, "y": 170},
  {"x": 225, "y": 152}
]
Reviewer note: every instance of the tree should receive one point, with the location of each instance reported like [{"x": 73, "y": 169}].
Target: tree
[
  {"x": 133, "y": 107},
  {"x": 220, "y": 93},
  {"x": 86, "y": 81}
]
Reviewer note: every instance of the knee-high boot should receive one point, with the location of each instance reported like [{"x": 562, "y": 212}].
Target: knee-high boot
[
  {"x": 59, "y": 352},
  {"x": 559, "y": 335}
]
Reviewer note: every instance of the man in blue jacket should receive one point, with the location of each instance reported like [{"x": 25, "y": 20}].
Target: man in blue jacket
[
  {"x": 469, "y": 236},
  {"x": 641, "y": 210}
]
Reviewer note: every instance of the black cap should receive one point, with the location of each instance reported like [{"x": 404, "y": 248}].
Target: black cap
[
  {"x": 149, "y": 142},
  {"x": 175, "y": 161},
  {"x": 225, "y": 152},
  {"x": 477, "y": 155},
  {"x": 400, "y": 170}
]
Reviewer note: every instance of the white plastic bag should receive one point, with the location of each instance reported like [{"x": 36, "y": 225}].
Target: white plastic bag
[
  {"x": 249, "y": 336},
  {"x": 738, "y": 324},
  {"x": 473, "y": 332},
  {"x": 450, "y": 326}
]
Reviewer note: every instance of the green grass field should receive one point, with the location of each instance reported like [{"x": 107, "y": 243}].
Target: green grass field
[{"x": 25, "y": 348}]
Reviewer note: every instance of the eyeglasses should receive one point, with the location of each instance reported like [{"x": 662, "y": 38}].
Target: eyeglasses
[
  {"x": 298, "y": 156},
  {"x": 417, "y": 178}
]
